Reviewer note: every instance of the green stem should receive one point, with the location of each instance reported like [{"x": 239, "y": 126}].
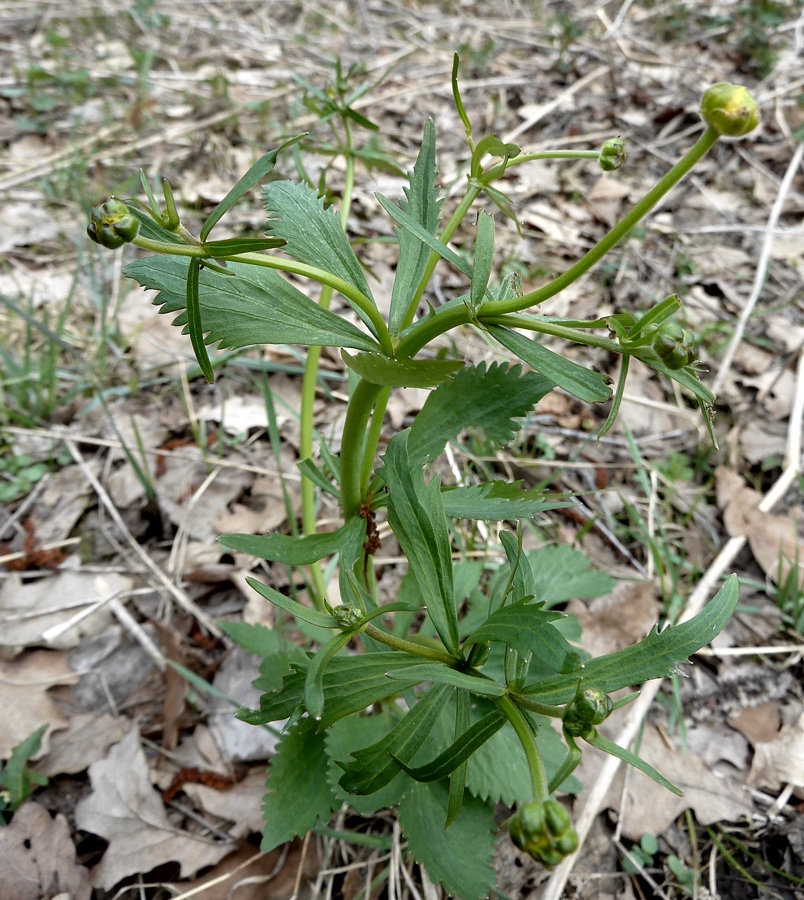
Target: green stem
[
  {"x": 701, "y": 147},
  {"x": 533, "y": 323},
  {"x": 396, "y": 643},
  {"x": 501, "y": 168},
  {"x": 353, "y": 441},
  {"x": 373, "y": 439},
  {"x": 515, "y": 716}
]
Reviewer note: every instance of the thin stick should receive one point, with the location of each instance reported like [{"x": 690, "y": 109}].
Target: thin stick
[
  {"x": 762, "y": 268},
  {"x": 174, "y": 590}
]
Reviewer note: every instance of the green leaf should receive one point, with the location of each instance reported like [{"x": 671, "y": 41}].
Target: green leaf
[
  {"x": 476, "y": 397},
  {"x": 311, "y": 471},
  {"x": 298, "y": 792},
  {"x": 194, "y": 325},
  {"x": 438, "y": 674},
  {"x": 423, "y": 205},
  {"x": 457, "y": 779},
  {"x": 561, "y": 573},
  {"x": 497, "y": 501},
  {"x": 351, "y": 684},
  {"x": 417, "y": 373},
  {"x": 357, "y": 733},
  {"x": 233, "y": 246},
  {"x": 304, "y": 613},
  {"x": 258, "y": 171},
  {"x": 416, "y": 516},
  {"x": 457, "y": 753},
  {"x": 374, "y": 767},
  {"x": 256, "y": 639},
  {"x": 484, "y": 257},
  {"x": 526, "y": 627},
  {"x": 607, "y": 746},
  {"x": 256, "y": 307},
  {"x": 523, "y": 585},
  {"x": 657, "y": 656},
  {"x": 16, "y": 777},
  {"x": 492, "y": 145},
  {"x": 298, "y": 551},
  {"x": 314, "y": 683},
  {"x": 313, "y": 234},
  {"x": 461, "y": 858},
  {"x": 579, "y": 381}
]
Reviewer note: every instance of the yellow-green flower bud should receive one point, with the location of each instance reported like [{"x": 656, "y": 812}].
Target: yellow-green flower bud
[
  {"x": 729, "y": 109},
  {"x": 111, "y": 224},
  {"x": 543, "y": 829},
  {"x": 612, "y": 155}
]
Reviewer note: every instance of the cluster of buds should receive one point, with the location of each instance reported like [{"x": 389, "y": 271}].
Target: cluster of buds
[
  {"x": 674, "y": 346},
  {"x": 591, "y": 707},
  {"x": 543, "y": 829},
  {"x": 111, "y": 224}
]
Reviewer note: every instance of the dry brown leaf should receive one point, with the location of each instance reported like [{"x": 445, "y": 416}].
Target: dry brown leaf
[
  {"x": 781, "y": 760},
  {"x": 62, "y": 503},
  {"x": 28, "y": 610},
  {"x": 773, "y": 539},
  {"x": 86, "y": 739},
  {"x": 125, "y": 810},
  {"x": 37, "y": 858},
  {"x": 241, "y": 804},
  {"x": 605, "y": 199},
  {"x": 619, "y": 619},
  {"x": 25, "y": 704},
  {"x": 759, "y": 724}
]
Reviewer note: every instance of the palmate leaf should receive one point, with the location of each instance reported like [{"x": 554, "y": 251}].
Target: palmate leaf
[
  {"x": 416, "y": 515},
  {"x": 415, "y": 373},
  {"x": 497, "y": 501},
  {"x": 657, "y": 656},
  {"x": 526, "y": 627},
  {"x": 375, "y": 766},
  {"x": 253, "y": 305},
  {"x": 298, "y": 792},
  {"x": 313, "y": 234},
  {"x": 561, "y": 573},
  {"x": 351, "y": 684},
  {"x": 460, "y": 857},
  {"x": 423, "y": 205},
  {"x": 476, "y": 397},
  {"x": 564, "y": 373}
]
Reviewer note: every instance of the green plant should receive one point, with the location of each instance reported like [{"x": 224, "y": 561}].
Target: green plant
[
  {"x": 17, "y": 780},
  {"x": 439, "y": 702}
]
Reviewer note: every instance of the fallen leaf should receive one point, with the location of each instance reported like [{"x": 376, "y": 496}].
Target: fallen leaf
[
  {"x": 781, "y": 760},
  {"x": 25, "y": 704},
  {"x": 759, "y": 724},
  {"x": 84, "y": 741},
  {"x": 125, "y": 810},
  {"x": 37, "y": 858},
  {"x": 240, "y": 804},
  {"x": 619, "y": 619}
]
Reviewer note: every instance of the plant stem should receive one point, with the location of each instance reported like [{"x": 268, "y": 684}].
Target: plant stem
[
  {"x": 538, "y": 776},
  {"x": 353, "y": 442},
  {"x": 699, "y": 149},
  {"x": 396, "y": 643}
]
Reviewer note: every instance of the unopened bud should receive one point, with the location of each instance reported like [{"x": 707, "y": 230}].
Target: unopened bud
[
  {"x": 111, "y": 224},
  {"x": 729, "y": 109},
  {"x": 612, "y": 155}
]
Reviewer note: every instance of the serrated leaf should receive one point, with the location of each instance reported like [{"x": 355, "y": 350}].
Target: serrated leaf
[
  {"x": 497, "y": 501},
  {"x": 657, "y": 656},
  {"x": 357, "y": 733},
  {"x": 416, "y": 516},
  {"x": 351, "y": 684},
  {"x": 523, "y": 585},
  {"x": 314, "y": 683},
  {"x": 298, "y": 792},
  {"x": 423, "y": 205},
  {"x": 469, "y": 741},
  {"x": 259, "y": 170},
  {"x": 526, "y": 627},
  {"x": 577, "y": 380},
  {"x": 460, "y": 858},
  {"x": 484, "y": 257},
  {"x": 561, "y": 573},
  {"x": 256, "y": 306},
  {"x": 313, "y": 234},
  {"x": 374, "y": 767},
  {"x": 476, "y": 397},
  {"x": 416, "y": 373},
  {"x": 438, "y": 674},
  {"x": 298, "y": 551}
]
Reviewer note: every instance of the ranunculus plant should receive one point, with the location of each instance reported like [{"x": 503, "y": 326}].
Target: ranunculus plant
[{"x": 440, "y": 703}]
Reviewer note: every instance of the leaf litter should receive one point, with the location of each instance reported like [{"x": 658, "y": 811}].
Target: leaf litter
[{"x": 112, "y": 667}]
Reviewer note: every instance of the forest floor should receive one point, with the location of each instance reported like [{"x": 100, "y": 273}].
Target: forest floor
[{"x": 120, "y": 465}]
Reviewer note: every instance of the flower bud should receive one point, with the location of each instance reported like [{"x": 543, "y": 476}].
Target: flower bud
[
  {"x": 543, "y": 829},
  {"x": 612, "y": 155},
  {"x": 111, "y": 224},
  {"x": 729, "y": 109}
]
